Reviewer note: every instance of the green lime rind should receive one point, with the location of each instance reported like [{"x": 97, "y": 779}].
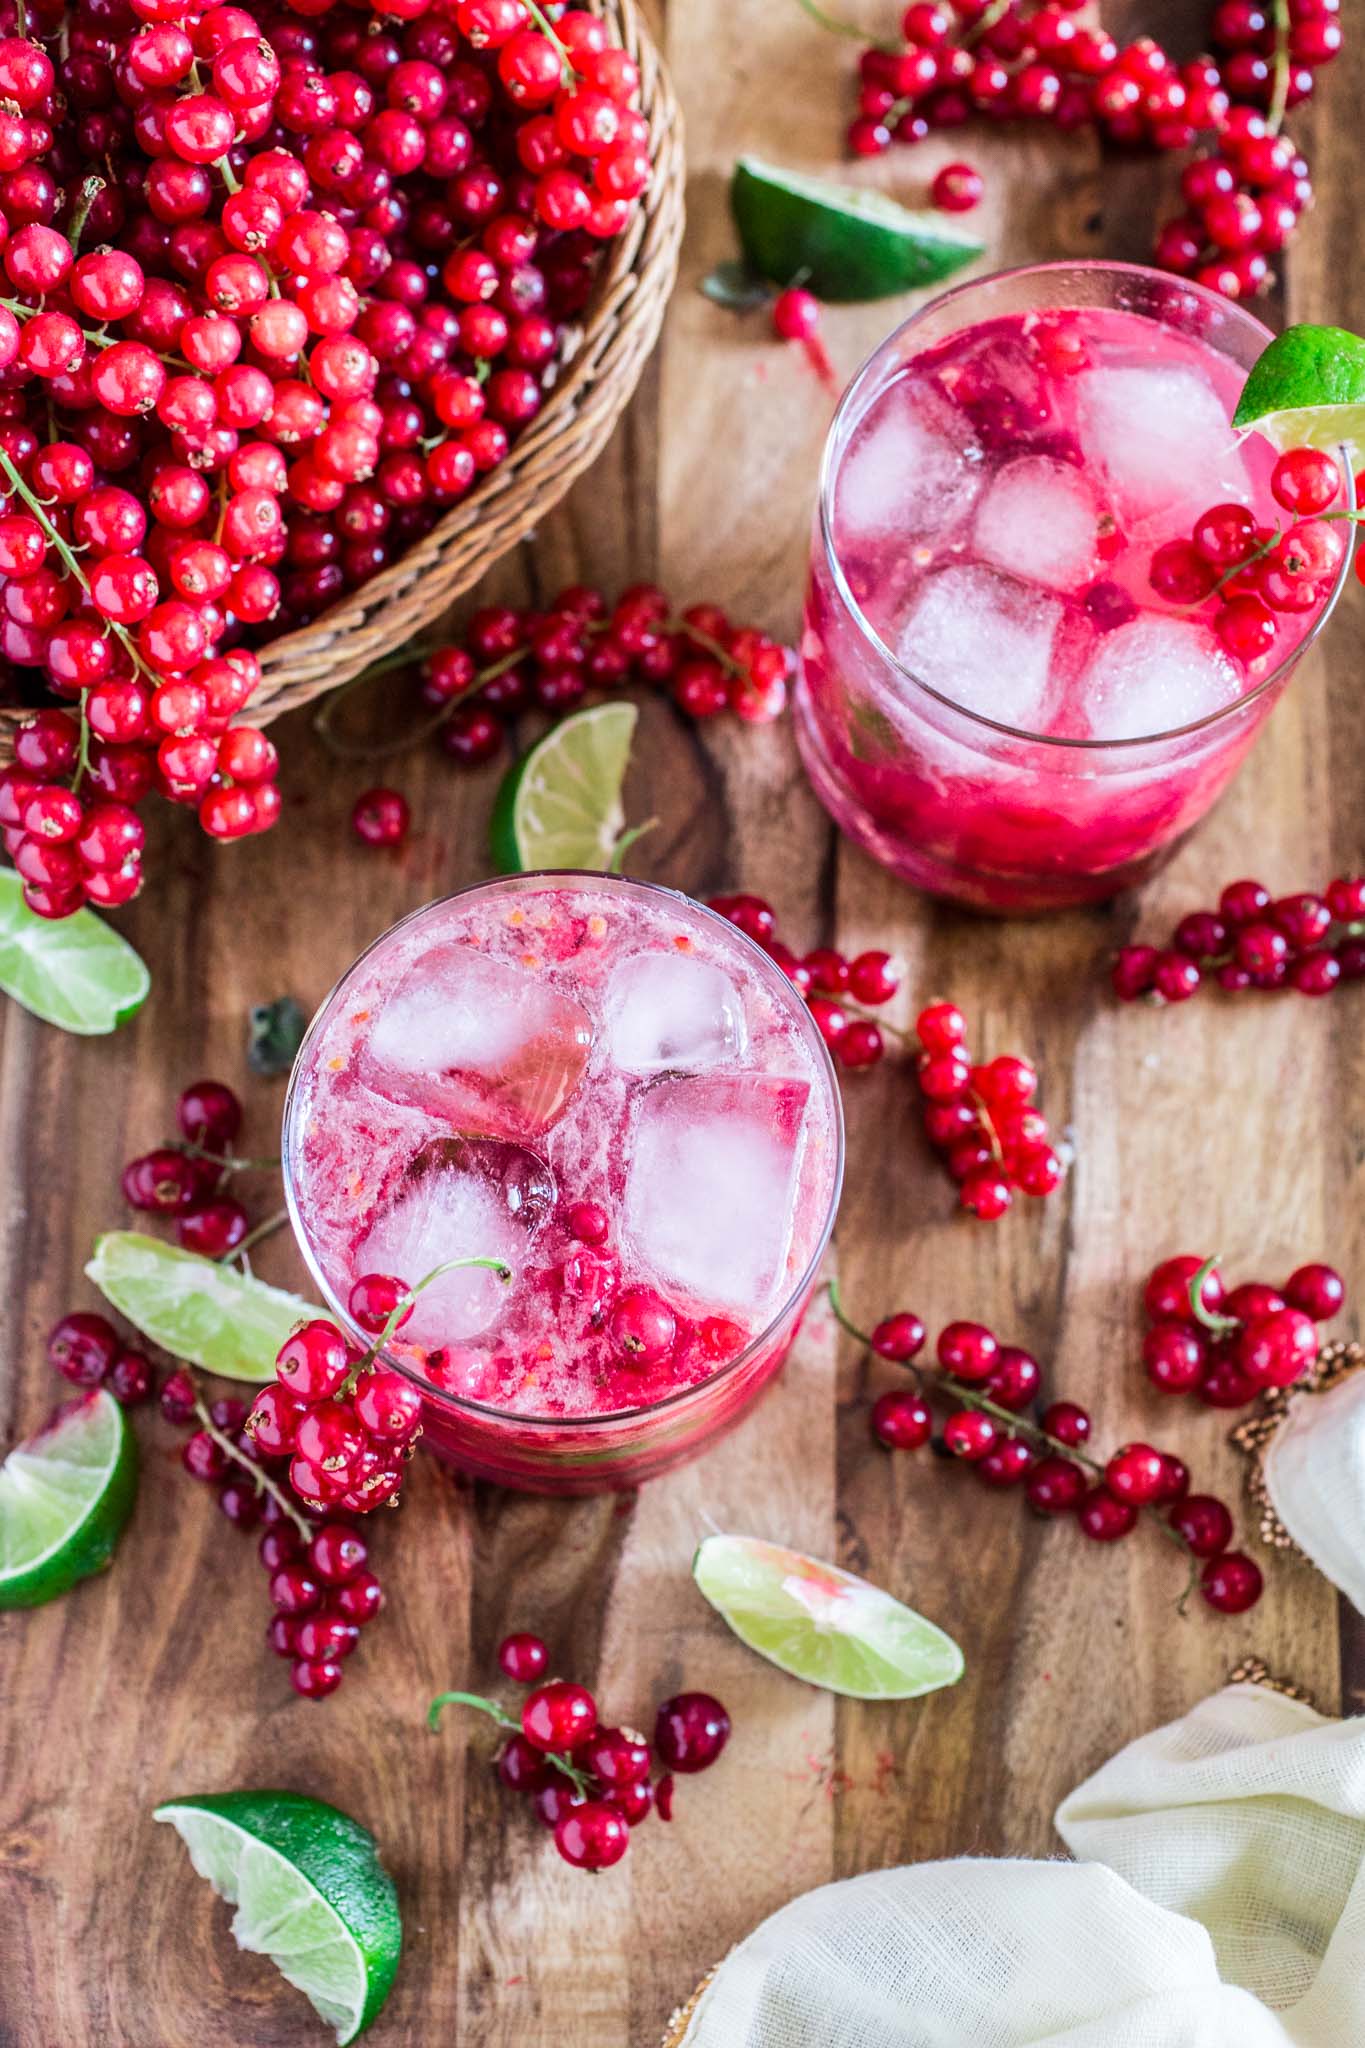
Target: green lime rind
[
  {"x": 74, "y": 972},
  {"x": 310, "y": 1893},
  {"x": 560, "y": 805},
  {"x": 821, "y": 1624},
  {"x": 843, "y": 242},
  {"x": 228, "y": 1322},
  {"x": 1307, "y": 390},
  {"x": 65, "y": 1496}
]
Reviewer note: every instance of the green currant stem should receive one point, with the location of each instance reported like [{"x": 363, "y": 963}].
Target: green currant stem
[
  {"x": 1279, "y": 91},
  {"x": 256, "y": 1236},
  {"x": 503, "y": 1719},
  {"x": 261, "y": 1480},
  {"x": 625, "y": 842},
  {"x": 93, "y": 335},
  {"x": 841, "y": 28},
  {"x": 1221, "y": 1326},
  {"x": 995, "y": 12},
  {"x": 403, "y": 1306},
  {"x": 355, "y": 750},
  {"x": 90, "y": 191},
  {"x": 231, "y": 1162},
  {"x": 547, "y": 29}
]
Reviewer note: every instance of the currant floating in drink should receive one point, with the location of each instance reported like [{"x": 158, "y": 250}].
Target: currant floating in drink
[
  {"x": 993, "y": 699},
  {"x": 615, "y": 1092}
]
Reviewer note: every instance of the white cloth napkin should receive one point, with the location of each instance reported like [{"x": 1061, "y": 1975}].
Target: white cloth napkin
[{"x": 1218, "y": 1901}]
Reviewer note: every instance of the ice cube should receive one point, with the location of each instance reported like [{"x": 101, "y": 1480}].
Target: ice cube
[
  {"x": 1152, "y": 676},
  {"x": 985, "y": 642},
  {"x": 911, "y": 470},
  {"x": 711, "y": 1185},
  {"x": 1161, "y": 437},
  {"x": 479, "y": 1041},
  {"x": 461, "y": 1198},
  {"x": 672, "y": 1010},
  {"x": 1039, "y": 520}
]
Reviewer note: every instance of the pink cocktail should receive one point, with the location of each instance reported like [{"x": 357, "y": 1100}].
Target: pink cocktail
[
  {"x": 613, "y": 1091},
  {"x": 993, "y": 699}
]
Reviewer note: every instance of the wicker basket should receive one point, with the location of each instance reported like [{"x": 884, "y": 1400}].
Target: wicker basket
[{"x": 569, "y": 432}]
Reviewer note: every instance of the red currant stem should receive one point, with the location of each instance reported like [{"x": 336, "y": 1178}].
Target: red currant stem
[
  {"x": 866, "y": 1016},
  {"x": 403, "y": 1305},
  {"x": 708, "y": 643},
  {"x": 1221, "y": 1326},
  {"x": 82, "y": 768},
  {"x": 987, "y": 1122},
  {"x": 841, "y": 28},
  {"x": 615, "y": 866},
  {"x": 561, "y": 1762},
  {"x": 91, "y": 188},
  {"x": 256, "y": 1236},
  {"x": 261, "y": 1480},
  {"x": 1279, "y": 91},
  {"x": 230, "y": 1162}
]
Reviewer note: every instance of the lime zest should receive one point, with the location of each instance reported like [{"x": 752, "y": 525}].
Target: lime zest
[
  {"x": 65, "y": 1497},
  {"x": 230, "y": 1323},
  {"x": 75, "y": 972},
  {"x": 310, "y": 1892}
]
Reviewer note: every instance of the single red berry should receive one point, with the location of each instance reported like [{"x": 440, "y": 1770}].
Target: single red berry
[
  {"x": 616, "y": 1757},
  {"x": 901, "y": 1420},
  {"x": 941, "y": 1028},
  {"x": 1276, "y": 1350},
  {"x": 957, "y": 188},
  {"x": 1231, "y": 1583},
  {"x": 1203, "y": 1524},
  {"x": 381, "y": 817},
  {"x": 1318, "y": 1290},
  {"x": 986, "y": 1193},
  {"x": 82, "y": 1347},
  {"x": 1006, "y": 1463},
  {"x": 523, "y": 1658},
  {"x": 521, "y": 1767},
  {"x": 969, "y": 1351},
  {"x": 337, "y": 1553},
  {"x": 131, "y": 1379},
  {"x": 690, "y": 1731},
  {"x": 559, "y": 1715},
  {"x": 1103, "y": 1518},
  {"x": 1055, "y": 1486},
  {"x": 314, "y": 1680},
  {"x": 643, "y": 1327},
  {"x": 592, "y": 1836},
  {"x": 313, "y": 1362},
  {"x": 873, "y": 977},
  {"x": 899, "y": 1337},
  {"x": 969, "y": 1434},
  {"x": 209, "y": 1114},
  {"x": 1067, "y": 1423},
  {"x": 1015, "y": 1380},
  {"x": 373, "y": 1299},
  {"x": 796, "y": 315},
  {"x": 1135, "y": 1474},
  {"x": 1175, "y": 1356},
  {"x": 1166, "y": 1296}
]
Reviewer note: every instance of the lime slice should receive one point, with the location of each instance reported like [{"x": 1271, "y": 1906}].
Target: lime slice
[
  {"x": 1308, "y": 391},
  {"x": 843, "y": 242},
  {"x": 212, "y": 1315},
  {"x": 70, "y": 971},
  {"x": 64, "y": 1498},
  {"x": 823, "y": 1624},
  {"x": 560, "y": 806},
  {"x": 310, "y": 1893}
]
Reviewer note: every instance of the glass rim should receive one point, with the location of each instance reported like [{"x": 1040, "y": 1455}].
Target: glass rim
[
  {"x": 1228, "y": 308},
  {"x": 517, "y": 1418}
]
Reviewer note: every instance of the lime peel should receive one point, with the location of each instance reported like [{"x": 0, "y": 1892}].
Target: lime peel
[
  {"x": 229, "y": 1323},
  {"x": 1307, "y": 390},
  {"x": 822, "y": 1624},
  {"x": 310, "y": 1893},
  {"x": 843, "y": 242},
  {"x": 74, "y": 972},
  {"x": 560, "y": 806},
  {"x": 65, "y": 1496}
]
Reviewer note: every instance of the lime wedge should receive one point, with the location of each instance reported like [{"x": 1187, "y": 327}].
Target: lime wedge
[
  {"x": 842, "y": 241},
  {"x": 212, "y": 1315},
  {"x": 70, "y": 971},
  {"x": 310, "y": 1893},
  {"x": 823, "y": 1624},
  {"x": 1307, "y": 390},
  {"x": 64, "y": 1498},
  {"x": 560, "y": 806}
]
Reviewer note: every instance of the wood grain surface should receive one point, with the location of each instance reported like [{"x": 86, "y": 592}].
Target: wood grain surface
[{"x": 1236, "y": 1126}]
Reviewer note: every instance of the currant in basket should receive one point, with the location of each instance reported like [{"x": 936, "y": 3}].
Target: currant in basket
[
  {"x": 997, "y": 1425},
  {"x": 316, "y": 288},
  {"x": 1308, "y": 943},
  {"x": 1230, "y": 1344},
  {"x": 589, "y": 1783}
]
